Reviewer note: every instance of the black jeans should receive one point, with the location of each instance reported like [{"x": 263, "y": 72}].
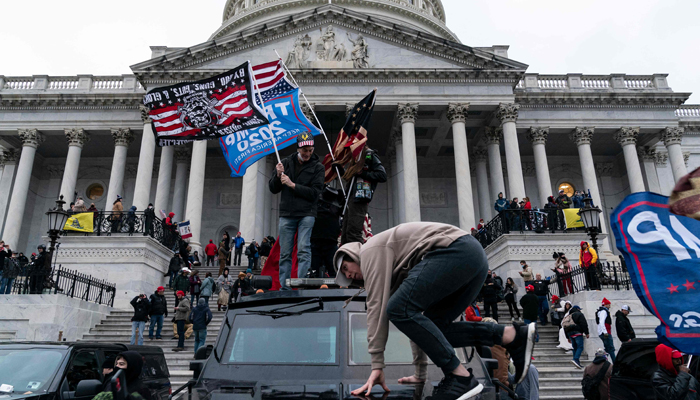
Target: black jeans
[
  {"x": 512, "y": 305},
  {"x": 437, "y": 291},
  {"x": 322, "y": 251},
  {"x": 491, "y": 310},
  {"x": 354, "y": 222},
  {"x": 210, "y": 261},
  {"x": 591, "y": 278},
  {"x": 237, "y": 256},
  {"x": 180, "y": 333}
]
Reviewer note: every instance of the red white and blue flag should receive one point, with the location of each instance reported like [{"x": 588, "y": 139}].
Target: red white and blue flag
[
  {"x": 662, "y": 254},
  {"x": 208, "y": 108}
]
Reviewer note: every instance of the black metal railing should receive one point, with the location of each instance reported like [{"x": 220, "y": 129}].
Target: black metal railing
[
  {"x": 607, "y": 275},
  {"x": 511, "y": 221},
  {"x": 107, "y": 223},
  {"x": 35, "y": 279}
]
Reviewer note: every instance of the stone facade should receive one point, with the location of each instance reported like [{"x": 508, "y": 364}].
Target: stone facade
[{"x": 454, "y": 125}]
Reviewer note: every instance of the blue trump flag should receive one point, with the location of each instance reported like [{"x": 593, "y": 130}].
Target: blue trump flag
[
  {"x": 662, "y": 253},
  {"x": 242, "y": 149}
]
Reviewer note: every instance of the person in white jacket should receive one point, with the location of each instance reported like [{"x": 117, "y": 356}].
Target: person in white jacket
[{"x": 564, "y": 343}]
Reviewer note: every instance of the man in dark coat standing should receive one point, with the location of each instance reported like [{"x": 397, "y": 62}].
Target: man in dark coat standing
[
  {"x": 625, "y": 331},
  {"x": 299, "y": 179},
  {"x": 158, "y": 312},
  {"x": 138, "y": 321},
  {"x": 361, "y": 192}
]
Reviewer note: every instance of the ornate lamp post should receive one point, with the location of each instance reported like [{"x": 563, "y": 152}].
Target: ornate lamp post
[
  {"x": 57, "y": 220},
  {"x": 591, "y": 220}
]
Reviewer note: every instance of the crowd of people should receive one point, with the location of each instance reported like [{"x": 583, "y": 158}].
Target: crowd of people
[{"x": 24, "y": 275}]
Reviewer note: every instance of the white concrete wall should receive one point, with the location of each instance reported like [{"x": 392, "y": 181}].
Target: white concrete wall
[{"x": 42, "y": 317}]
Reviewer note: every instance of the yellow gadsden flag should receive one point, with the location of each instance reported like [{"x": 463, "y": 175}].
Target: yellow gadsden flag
[
  {"x": 80, "y": 222},
  {"x": 573, "y": 220}
]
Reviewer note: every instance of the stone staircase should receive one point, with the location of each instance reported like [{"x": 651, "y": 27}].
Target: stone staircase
[{"x": 558, "y": 377}]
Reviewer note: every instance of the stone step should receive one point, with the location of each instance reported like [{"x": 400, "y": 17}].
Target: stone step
[
  {"x": 561, "y": 382},
  {"x": 561, "y": 371},
  {"x": 560, "y": 397},
  {"x": 561, "y": 391}
]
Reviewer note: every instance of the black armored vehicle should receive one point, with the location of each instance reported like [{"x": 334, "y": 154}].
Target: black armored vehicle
[{"x": 309, "y": 344}]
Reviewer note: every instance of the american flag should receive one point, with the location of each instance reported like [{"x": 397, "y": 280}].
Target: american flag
[
  {"x": 271, "y": 80},
  {"x": 351, "y": 140}
]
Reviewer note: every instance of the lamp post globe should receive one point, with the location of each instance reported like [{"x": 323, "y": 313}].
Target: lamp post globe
[{"x": 57, "y": 220}]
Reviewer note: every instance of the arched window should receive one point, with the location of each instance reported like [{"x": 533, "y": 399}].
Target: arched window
[
  {"x": 95, "y": 191},
  {"x": 567, "y": 187}
]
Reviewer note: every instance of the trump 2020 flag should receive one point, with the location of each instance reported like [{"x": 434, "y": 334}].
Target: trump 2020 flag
[
  {"x": 662, "y": 253},
  {"x": 205, "y": 109},
  {"x": 82, "y": 222},
  {"x": 287, "y": 121},
  {"x": 184, "y": 229}
]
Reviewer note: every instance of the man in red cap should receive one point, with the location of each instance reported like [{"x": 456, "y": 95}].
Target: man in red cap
[
  {"x": 158, "y": 312},
  {"x": 604, "y": 322},
  {"x": 673, "y": 381},
  {"x": 210, "y": 250},
  {"x": 182, "y": 314},
  {"x": 530, "y": 304}
]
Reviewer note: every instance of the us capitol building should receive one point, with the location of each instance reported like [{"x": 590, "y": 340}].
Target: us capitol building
[{"x": 454, "y": 125}]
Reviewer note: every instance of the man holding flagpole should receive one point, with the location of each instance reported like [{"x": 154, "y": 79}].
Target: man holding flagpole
[{"x": 299, "y": 178}]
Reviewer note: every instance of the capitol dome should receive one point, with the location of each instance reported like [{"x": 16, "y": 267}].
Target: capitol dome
[{"x": 422, "y": 15}]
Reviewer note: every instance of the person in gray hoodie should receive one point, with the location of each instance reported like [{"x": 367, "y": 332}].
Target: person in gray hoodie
[
  {"x": 421, "y": 276},
  {"x": 207, "y": 288}
]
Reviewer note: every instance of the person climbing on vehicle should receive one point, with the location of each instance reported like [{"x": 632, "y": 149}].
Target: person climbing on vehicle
[{"x": 421, "y": 276}]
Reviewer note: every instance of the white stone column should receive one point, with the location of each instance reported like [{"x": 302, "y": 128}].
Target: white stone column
[
  {"x": 507, "y": 113},
  {"x": 648, "y": 156},
  {"x": 582, "y": 137},
  {"x": 9, "y": 158},
  {"x": 182, "y": 158},
  {"x": 672, "y": 138},
  {"x": 31, "y": 139},
  {"x": 627, "y": 138},
  {"x": 122, "y": 139},
  {"x": 165, "y": 173},
  {"x": 400, "y": 198},
  {"x": 457, "y": 114},
  {"x": 493, "y": 139},
  {"x": 144, "y": 175},
  {"x": 480, "y": 155},
  {"x": 407, "y": 115},
  {"x": 538, "y": 137},
  {"x": 195, "y": 193},
  {"x": 76, "y": 137}
]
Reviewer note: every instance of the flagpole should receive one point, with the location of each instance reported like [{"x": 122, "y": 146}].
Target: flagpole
[
  {"x": 262, "y": 104},
  {"x": 352, "y": 183},
  {"x": 328, "y": 143}
]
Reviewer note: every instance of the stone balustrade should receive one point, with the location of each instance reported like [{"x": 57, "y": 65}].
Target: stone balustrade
[
  {"x": 79, "y": 83},
  {"x": 689, "y": 111},
  {"x": 593, "y": 82}
]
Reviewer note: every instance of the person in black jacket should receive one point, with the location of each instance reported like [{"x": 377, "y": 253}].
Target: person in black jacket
[
  {"x": 252, "y": 252},
  {"x": 200, "y": 317},
  {"x": 673, "y": 380},
  {"x": 299, "y": 179},
  {"x": 541, "y": 291},
  {"x": 158, "y": 312},
  {"x": 175, "y": 266},
  {"x": 490, "y": 293},
  {"x": 265, "y": 248},
  {"x": 150, "y": 217},
  {"x": 324, "y": 237},
  {"x": 530, "y": 304},
  {"x": 575, "y": 334},
  {"x": 361, "y": 192},
  {"x": 138, "y": 321},
  {"x": 625, "y": 332},
  {"x": 132, "y": 364},
  {"x": 39, "y": 271}
]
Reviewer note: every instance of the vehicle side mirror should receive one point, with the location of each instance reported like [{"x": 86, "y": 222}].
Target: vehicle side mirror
[
  {"x": 263, "y": 282},
  {"x": 203, "y": 352},
  {"x": 196, "y": 368},
  {"x": 88, "y": 388}
]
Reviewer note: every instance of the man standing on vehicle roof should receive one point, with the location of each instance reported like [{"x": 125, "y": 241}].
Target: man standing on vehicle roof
[
  {"x": 421, "y": 276},
  {"x": 299, "y": 178}
]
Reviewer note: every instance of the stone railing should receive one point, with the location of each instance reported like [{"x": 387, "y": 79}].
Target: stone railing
[
  {"x": 689, "y": 111},
  {"x": 80, "y": 83},
  {"x": 593, "y": 82}
]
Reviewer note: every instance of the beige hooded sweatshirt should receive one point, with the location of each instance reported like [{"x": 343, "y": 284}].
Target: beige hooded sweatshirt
[{"x": 385, "y": 261}]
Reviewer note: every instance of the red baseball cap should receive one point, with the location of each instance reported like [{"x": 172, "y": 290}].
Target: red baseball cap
[
  {"x": 676, "y": 354},
  {"x": 530, "y": 288},
  {"x": 160, "y": 288},
  {"x": 180, "y": 293}
]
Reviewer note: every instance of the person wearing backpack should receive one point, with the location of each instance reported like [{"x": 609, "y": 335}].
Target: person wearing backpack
[
  {"x": 596, "y": 376},
  {"x": 575, "y": 331},
  {"x": 208, "y": 288},
  {"x": 604, "y": 323}
]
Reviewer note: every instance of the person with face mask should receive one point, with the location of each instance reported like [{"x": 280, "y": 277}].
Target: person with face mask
[
  {"x": 673, "y": 381},
  {"x": 132, "y": 364}
]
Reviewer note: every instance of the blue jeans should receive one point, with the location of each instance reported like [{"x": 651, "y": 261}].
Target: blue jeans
[
  {"x": 543, "y": 309},
  {"x": 609, "y": 346},
  {"x": 172, "y": 278},
  {"x": 435, "y": 293},
  {"x": 142, "y": 326},
  {"x": 289, "y": 226},
  {"x": 200, "y": 336},
  {"x": 155, "y": 320},
  {"x": 6, "y": 285},
  {"x": 194, "y": 298},
  {"x": 577, "y": 343}
]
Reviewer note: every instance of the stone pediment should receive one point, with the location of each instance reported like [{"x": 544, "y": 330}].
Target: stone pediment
[{"x": 336, "y": 41}]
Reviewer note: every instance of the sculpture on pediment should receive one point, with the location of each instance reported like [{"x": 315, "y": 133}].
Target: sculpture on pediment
[
  {"x": 339, "y": 52},
  {"x": 359, "y": 54},
  {"x": 326, "y": 44},
  {"x": 300, "y": 52}
]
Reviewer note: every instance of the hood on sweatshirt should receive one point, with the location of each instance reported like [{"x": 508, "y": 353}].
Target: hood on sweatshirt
[
  {"x": 171, "y": 214},
  {"x": 586, "y": 243},
  {"x": 664, "y": 357},
  {"x": 351, "y": 250},
  {"x": 134, "y": 365}
]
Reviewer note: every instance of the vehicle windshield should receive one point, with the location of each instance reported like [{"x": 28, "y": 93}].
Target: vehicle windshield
[
  {"x": 29, "y": 370},
  {"x": 397, "y": 350},
  {"x": 310, "y": 338}
]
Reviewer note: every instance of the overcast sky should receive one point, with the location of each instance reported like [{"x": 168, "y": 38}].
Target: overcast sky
[{"x": 73, "y": 37}]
